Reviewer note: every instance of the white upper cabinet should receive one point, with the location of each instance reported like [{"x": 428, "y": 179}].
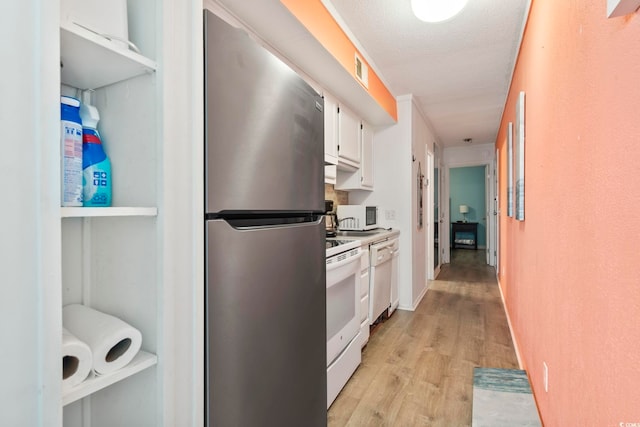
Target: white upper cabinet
[
  {"x": 348, "y": 139},
  {"x": 330, "y": 174},
  {"x": 366, "y": 166},
  {"x": 330, "y": 129},
  {"x": 362, "y": 177}
]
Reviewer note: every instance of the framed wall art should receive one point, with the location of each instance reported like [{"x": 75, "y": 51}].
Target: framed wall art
[
  {"x": 510, "y": 169},
  {"x": 519, "y": 146}
]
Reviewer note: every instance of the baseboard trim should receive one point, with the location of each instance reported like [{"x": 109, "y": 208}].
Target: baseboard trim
[
  {"x": 416, "y": 303},
  {"x": 513, "y": 336}
]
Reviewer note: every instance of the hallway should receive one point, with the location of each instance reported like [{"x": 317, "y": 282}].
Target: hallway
[{"x": 417, "y": 369}]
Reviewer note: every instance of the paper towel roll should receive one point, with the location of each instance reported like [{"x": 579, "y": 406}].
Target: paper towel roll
[
  {"x": 113, "y": 342},
  {"x": 76, "y": 360}
]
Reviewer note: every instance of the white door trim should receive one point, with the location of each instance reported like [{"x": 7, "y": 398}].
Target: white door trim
[{"x": 446, "y": 190}]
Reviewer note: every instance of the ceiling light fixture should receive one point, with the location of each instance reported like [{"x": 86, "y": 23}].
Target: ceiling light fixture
[{"x": 436, "y": 10}]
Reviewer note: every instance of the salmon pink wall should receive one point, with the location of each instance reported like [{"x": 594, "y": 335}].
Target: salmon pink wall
[
  {"x": 317, "y": 19},
  {"x": 570, "y": 272}
]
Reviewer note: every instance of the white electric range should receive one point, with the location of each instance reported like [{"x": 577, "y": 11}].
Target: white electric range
[
  {"x": 337, "y": 245},
  {"x": 343, "y": 317}
]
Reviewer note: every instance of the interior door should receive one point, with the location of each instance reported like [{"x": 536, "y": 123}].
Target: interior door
[
  {"x": 430, "y": 246},
  {"x": 437, "y": 216},
  {"x": 488, "y": 207}
]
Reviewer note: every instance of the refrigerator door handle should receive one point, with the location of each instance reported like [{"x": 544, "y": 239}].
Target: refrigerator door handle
[{"x": 245, "y": 224}]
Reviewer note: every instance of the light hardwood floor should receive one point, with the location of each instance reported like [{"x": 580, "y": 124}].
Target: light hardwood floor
[{"x": 417, "y": 369}]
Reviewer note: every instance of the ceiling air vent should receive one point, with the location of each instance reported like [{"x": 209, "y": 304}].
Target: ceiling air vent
[{"x": 362, "y": 71}]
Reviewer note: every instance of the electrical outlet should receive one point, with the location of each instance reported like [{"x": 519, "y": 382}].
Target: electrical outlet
[
  {"x": 545, "y": 376},
  {"x": 390, "y": 215}
]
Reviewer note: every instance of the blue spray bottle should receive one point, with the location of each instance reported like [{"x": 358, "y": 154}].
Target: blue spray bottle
[{"x": 96, "y": 167}]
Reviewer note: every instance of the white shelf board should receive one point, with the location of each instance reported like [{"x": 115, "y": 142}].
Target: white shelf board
[
  {"x": 91, "y": 61},
  {"x": 93, "y": 383},
  {"x": 81, "y": 212}
]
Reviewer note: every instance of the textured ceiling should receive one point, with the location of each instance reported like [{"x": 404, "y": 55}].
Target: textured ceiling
[{"x": 458, "y": 71}]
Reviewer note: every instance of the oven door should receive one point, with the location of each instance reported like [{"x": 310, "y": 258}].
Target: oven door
[{"x": 343, "y": 302}]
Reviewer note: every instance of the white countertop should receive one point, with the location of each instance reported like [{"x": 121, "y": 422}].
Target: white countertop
[{"x": 368, "y": 237}]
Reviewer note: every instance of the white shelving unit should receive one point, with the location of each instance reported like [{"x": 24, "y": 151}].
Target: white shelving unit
[
  {"x": 91, "y": 61},
  {"x": 95, "y": 382},
  {"x": 86, "y": 212},
  {"x": 110, "y": 256},
  {"x": 141, "y": 260}
]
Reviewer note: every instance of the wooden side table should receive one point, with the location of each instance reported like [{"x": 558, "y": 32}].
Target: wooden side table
[{"x": 464, "y": 227}]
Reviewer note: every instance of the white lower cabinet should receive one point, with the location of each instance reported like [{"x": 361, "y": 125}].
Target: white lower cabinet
[
  {"x": 364, "y": 296},
  {"x": 395, "y": 299}
]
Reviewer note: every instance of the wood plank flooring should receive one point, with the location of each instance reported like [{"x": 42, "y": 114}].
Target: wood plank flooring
[{"x": 417, "y": 369}]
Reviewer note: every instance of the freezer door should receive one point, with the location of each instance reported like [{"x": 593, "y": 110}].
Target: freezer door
[
  {"x": 264, "y": 131},
  {"x": 266, "y": 325}
]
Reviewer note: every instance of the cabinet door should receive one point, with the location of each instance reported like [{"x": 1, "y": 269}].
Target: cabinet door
[
  {"x": 360, "y": 178},
  {"x": 348, "y": 139},
  {"x": 330, "y": 173},
  {"x": 366, "y": 165},
  {"x": 330, "y": 129}
]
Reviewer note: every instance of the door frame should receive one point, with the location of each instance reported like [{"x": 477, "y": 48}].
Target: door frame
[
  {"x": 490, "y": 191},
  {"x": 432, "y": 270}
]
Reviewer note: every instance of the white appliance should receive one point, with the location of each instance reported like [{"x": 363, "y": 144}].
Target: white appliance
[
  {"x": 343, "y": 313},
  {"x": 357, "y": 217},
  {"x": 381, "y": 254}
]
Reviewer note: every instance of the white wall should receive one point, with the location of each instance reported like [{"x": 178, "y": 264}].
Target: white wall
[
  {"x": 395, "y": 192},
  {"x": 468, "y": 155},
  {"x": 30, "y": 299},
  {"x": 392, "y": 194},
  {"x": 182, "y": 218},
  {"x": 420, "y": 136}
]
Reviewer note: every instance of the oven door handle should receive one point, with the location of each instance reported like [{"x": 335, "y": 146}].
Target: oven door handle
[{"x": 345, "y": 261}]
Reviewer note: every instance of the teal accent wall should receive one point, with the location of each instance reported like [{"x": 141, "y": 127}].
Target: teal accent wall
[{"x": 467, "y": 187}]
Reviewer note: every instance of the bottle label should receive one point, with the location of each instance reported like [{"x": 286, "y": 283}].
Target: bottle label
[
  {"x": 97, "y": 184},
  {"x": 71, "y": 163},
  {"x": 89, "y": 137}
]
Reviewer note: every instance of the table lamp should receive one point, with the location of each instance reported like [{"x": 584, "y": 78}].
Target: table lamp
[{"x": 464, "y": 210}]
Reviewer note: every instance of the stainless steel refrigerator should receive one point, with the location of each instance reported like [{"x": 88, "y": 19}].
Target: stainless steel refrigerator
[{"x": 265, "y": 238}]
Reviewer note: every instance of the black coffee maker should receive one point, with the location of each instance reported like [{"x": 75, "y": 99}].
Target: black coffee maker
[{"x": 331, "y": 219}]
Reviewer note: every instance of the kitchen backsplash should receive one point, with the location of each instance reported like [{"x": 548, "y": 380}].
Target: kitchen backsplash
[{"x": 339, "y": 197}]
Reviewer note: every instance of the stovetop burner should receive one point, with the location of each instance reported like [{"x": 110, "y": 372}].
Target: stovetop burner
[{"x": 336, "y": 242}]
